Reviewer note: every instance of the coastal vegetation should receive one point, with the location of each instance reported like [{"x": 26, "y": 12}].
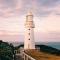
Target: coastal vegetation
[
  {"x": 6, "y": 51},
  {"x": 50, "y": 50},
  {"x": 44, "y": 53},
  {"x": 44, "y": 48},
  {"x": 38, "y": 55}
]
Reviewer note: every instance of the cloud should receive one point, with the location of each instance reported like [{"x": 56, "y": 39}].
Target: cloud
[
  {"x": 12, "y": 38},
  {"x": 10, "y": 8},
  {"x": 7, "y": 3},
  {"x": 49, "y": 3},
  {"x": 47, "y": 37},
  {"x": 46, "y": 17},
  {"x": 20, "y": 7},
  {"x": 46, "y": 7},
  {"x": 47, "y": 24},
  {"x": 39, "y": 36}
]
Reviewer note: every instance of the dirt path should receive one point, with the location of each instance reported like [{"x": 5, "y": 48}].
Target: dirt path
[{"x": 19, "y": 58}]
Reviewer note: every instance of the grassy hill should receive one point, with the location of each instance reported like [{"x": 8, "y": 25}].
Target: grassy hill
[
  {"x": 49, "y": 50},
  {"x": 38, "y": 55}
]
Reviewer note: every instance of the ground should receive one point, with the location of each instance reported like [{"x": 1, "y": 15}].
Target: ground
[{"x": 19, "y": 57}]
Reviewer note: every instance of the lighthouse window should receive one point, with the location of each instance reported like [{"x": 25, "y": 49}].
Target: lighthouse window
[
  {"x": 29, "y": 39},
  {"x": 28, "y": 29}
]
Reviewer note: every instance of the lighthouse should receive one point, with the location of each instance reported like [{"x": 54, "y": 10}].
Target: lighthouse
[{"x": 29, "y": 42}]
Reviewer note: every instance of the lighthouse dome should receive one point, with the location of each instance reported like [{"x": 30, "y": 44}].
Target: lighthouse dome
[{"x": 29, "y": 13}]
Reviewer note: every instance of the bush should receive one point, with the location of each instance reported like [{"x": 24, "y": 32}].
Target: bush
[
  {"x": 6, "y": 52},
  {"x": 49, "y": 49}
]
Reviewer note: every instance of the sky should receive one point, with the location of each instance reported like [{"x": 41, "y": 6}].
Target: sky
[{"x": 46, "y": 18}]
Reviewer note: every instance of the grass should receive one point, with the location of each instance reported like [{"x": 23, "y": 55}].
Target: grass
[{"x": 41, "y": 55}]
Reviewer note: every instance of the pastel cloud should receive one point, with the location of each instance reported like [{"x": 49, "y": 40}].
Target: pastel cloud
[
  {"x": 46, "y": 7},
  {"x": 18, "y": 7},
  {"x": 10, "y": 7},
  {"x": 47, "y": 37},
  {"x": 46, "y": 17},
  {"x": 47, "y": 24}
]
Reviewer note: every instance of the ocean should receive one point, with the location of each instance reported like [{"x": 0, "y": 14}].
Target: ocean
[{"x": 52, "y": 44}]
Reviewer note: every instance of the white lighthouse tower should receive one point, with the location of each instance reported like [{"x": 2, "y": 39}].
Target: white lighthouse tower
[{"x": 29, "y": 42}]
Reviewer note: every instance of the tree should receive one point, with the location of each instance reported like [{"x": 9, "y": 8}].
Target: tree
[{"x": 6, "y": 52}]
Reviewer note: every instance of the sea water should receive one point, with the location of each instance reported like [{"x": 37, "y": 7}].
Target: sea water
[{"x": 52, "y": 44}]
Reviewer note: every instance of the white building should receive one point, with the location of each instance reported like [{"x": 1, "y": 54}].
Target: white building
[{"x": 29, "y": 42}]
